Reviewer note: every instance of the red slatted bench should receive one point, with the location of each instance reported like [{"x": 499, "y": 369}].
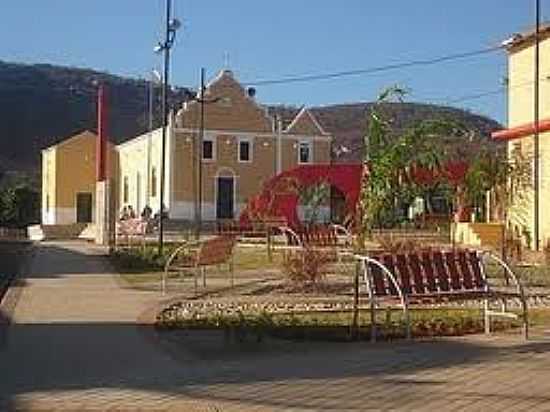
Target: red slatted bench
[
  {"x": 330, "y": 239},
  {"x": 129, "y": 229},
  {"x": 197, "y": 256},
  {"x": 437, "y": 276},
  {"x": 317, "y": 236}
]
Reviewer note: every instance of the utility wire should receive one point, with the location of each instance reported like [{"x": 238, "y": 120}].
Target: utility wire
[
  {"x": 378, "y": 69},
  {"x": 479, "y": 95}
]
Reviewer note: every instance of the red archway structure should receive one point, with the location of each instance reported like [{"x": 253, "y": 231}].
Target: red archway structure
[{"x": 280, "y": 195}]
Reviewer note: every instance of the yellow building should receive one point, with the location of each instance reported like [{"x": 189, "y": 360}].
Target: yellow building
[
  {"x": 242, "y": 147},
  {"x": 521, "y": 128},
  {"x": 69, "y": 197}
]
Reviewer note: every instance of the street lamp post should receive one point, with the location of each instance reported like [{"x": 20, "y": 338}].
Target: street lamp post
[
  {"x": 536, "y": 157},
  {"x": 202, "y": 100},
  {"x": 156, "y": 78},
  {"x": 172, "y": 25}
]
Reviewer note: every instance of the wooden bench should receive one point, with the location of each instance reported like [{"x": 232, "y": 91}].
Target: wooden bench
[
  {"x": 331, "y": 241},
  {"x": 331, "y": 238},
  {"x": 431, "y": 277},
  {"x": 255, "y": 229},
  {"x": 197, "y": 256},
  {"x": 318, "y": 236},
  {"x": 131, "y": 229}
]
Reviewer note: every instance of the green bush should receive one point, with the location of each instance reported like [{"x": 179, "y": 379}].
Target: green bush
[{"x": 144, "y": 259}]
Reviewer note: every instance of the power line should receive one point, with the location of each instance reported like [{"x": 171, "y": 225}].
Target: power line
[
  {"x": 481, "y": 94},
  {"x": 376, "y": 69}
]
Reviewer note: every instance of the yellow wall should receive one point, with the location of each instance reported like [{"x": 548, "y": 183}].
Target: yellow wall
[
  {"x": 76, "y": 165},
  {"x": 250, "y": 175},
  {"x": 233, "y": 110},
  {"x": 69, "y": 168},
  {"x": 521, "y": 111},
  {"x": 133, "y": 157}
]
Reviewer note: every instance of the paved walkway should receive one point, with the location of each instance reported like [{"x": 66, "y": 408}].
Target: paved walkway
[{"x": 74, "y": 344}]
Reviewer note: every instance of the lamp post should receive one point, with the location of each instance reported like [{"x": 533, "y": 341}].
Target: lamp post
[
  {"x": 202, "y": 100},
  {"x": 156, "y": 78},
  {"x": 172, "y": 26},
  {"x": 536, "y": 157}
]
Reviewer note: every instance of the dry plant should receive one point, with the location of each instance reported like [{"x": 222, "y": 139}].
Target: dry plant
[{"x": 306, "y": 266}]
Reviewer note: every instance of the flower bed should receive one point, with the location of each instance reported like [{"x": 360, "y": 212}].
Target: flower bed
[{"x": 320, "y": 321}]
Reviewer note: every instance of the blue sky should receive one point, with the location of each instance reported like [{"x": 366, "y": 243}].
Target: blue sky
[{"x": 266, "y": 40}]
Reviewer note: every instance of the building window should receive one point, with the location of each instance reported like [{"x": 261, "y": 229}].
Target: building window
[
  {"x": 47, "y": 203},
  {"x": 208, "y": 149},
  {"x": 305, "y": 154},
  {"x": 153, "y": 181},
  {"x": 245, "y": 150},
  {"x": 125, "y": 190},
  {"x": 225, "y": 102}
]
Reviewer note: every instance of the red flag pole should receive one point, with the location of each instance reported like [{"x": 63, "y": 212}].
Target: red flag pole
[{"x": 101, "y": 148}]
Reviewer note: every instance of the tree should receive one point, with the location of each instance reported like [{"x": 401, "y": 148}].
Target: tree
[
  {"x": 392, "y": 160},
  {"x": 19, "y": 205}
]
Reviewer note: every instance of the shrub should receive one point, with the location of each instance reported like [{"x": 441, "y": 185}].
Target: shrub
[
  {"x": 140, "y": 259},
  {"x": 306, "y": 265}
]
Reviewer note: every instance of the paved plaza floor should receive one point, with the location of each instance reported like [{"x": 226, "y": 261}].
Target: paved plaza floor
[{"x": 78, "y": 339}]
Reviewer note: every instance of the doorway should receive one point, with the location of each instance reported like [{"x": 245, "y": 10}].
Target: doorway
[
  {"x": 225, "y": 199},
  {"x": 337, "y": 205},
  {"x": 84, "y": 208}
]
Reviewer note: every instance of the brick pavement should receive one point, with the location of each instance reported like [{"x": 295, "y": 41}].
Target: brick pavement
[{"x": 74, "y": 344}]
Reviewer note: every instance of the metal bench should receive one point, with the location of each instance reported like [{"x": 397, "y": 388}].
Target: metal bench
[
  {"x": 197, "y": 256},
  {"x": 431, "y": 277},
  {"x": 331, "y": 239},
  {"x": 131, "y": 229},
  {"x": 318, "y": 236}
]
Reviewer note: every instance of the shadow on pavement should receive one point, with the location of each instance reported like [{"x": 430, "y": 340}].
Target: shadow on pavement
[
  {"x": 58, "y": 259},
  {"x": 86, "y": 365},
  {"x": 53, "y": 360}
]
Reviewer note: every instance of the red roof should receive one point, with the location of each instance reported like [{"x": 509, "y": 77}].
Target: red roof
[{"x": 523, "y": 130}]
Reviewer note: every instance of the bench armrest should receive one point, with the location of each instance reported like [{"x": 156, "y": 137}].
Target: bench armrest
[
  {"x": 190, "y": 246},
  {"x": 291, "y": 234},
  {"x": 508, "y": 270}
]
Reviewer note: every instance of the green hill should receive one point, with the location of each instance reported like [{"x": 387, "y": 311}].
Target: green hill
[{"x": 42, "y": 104}]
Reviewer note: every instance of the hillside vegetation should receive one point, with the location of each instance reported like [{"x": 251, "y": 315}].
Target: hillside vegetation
[{"x": 43, "y": 104}]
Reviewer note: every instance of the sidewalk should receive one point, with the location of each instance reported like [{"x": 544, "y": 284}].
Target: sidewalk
[{"x": 75, "y": 344}]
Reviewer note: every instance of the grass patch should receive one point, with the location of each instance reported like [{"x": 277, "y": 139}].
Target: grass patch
[
  {"x": 536, "y": 275},
  {"x": 141, "y": 265}
]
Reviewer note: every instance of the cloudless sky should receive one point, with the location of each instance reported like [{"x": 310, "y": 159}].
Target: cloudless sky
[{"x": 272, "y": 39}]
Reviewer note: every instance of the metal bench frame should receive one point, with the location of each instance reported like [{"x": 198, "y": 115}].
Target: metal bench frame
[
  {"x": 448, "y": 281},
  {"x": 129, "y": 229},
  {"x": 329, "y": 237},
  {"x": 197, "y": 256}
]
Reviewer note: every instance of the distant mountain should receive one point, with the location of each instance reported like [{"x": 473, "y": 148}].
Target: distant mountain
[
  {"x": 348, "y": 123},
  {"x": 43, "y": 104}
]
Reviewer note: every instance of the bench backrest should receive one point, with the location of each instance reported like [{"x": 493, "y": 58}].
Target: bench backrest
[
  {"x": 313, "y": 236},
  {"x": 429, "y": 273},
  {"x": 216, "y": 250},
  {"x": 132, "y": 227}
]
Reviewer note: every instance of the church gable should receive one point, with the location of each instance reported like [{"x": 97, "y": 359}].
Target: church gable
[
  {"x": 306, "y": 124},
  {"x": 228, "y": 108}
]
